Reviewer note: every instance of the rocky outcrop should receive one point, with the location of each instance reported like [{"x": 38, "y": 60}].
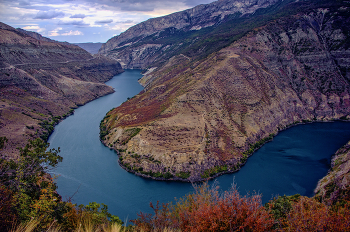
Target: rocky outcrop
[
  {"x": 197, "y": 119},
  {"x": 41, "y": 81},
  {"x": 335, "y": 185},
  {"x": 149, "y": 41}
]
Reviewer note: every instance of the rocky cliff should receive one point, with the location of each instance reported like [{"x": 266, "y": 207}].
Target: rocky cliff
[
  {"x": 41, "y": 81},
  {"x": 335, "y": 186},
  {"x": 199, "y": 118},
  {"x": 157, "y": 39}
]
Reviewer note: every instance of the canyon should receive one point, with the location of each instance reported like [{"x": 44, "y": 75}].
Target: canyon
[{"x": 202, "y": 116}]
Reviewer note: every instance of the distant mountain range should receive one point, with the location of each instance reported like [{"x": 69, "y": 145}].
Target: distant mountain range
[
  {"x": 41, "y": 81},
  {"x": 223, "y": 78},
  {"x": 92, "y": 48}
]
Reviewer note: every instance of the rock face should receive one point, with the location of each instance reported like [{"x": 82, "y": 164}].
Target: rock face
[
  {"x": 148, "y": 42},
  {"x": 197, "y": 119},
  {"x": 41, "y": 81},
  {"x": 335, "y": 186}
]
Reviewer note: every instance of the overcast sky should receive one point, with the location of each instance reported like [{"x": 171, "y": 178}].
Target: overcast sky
[{"x": 77, "y": 21}]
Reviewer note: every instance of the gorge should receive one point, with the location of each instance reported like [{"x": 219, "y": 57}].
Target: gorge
[
  {"x": 218, "y": 82},
  {"x": 292, "y": 163},
  {"x": 204, "y": 115}
]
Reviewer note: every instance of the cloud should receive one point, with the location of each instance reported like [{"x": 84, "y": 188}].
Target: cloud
[
  {"x": 98, "y": 20},
  {"x": 192, "y": 3},
  {"x": 137, "y": 7},
  {"x": 80, "y": 23},
  {"x": 34, "y": 28},
  {"x": 73, "y": 33},
  {"x": 127, "y": 21},
  {"x": 23, "y": 3},
  {"x": 106, "y": 21},
  {"x": 151, "y": 5},
  {"x": 77, "y": 16},
  {"x": 55, "y": 32},
  {"x": 49, "y": 14}
]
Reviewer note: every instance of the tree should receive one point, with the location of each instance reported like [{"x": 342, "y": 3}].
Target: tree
[{"x": 33, "y": 192}]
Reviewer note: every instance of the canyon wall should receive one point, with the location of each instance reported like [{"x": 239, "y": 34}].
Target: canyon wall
[
  {"x": 199, "y": 118},
  {"x": 41, "y": 80}
]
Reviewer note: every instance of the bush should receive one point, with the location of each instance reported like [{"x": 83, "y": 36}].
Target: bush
[
  {"x": 183, "y": 175},
  {"x": 207, "y": 210},
  {"x": 3, "y": 140},
  {"x": 213, "y": 171}
]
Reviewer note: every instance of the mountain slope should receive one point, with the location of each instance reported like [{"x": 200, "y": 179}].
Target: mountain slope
[
  {"x": 41, "y": 81},
  {"x": 198, "y": 118},
  {"x": 190, "y": 31}
]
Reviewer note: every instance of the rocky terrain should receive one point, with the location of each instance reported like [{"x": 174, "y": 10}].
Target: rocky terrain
[
  {"x": 198, "y": 118},
  {"x": 335, "y": 186},
  {"x": 41, "y": 81},
  {"x": 157, "y": 39}
]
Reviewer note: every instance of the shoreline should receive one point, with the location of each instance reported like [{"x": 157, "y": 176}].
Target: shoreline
[{"x": 195, "y": 180}]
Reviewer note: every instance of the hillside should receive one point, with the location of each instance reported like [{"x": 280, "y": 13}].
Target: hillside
[
  {"x": 41, "y": 81},
  {"x": 194, "y": 32},
  {"x": 199, "y": 117}
]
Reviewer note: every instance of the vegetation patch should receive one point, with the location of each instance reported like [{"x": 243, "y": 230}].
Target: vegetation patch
[
  {"x": 103, "y": 127},
  {"x": 3, "y": 140},
  {"x": 183, "y": 175},
  {"x": 213, "y": 171},
  {"x": 48, "y": 128},
  {"x": 129, "y": 134},
  {"x": 253, "y": 147}
]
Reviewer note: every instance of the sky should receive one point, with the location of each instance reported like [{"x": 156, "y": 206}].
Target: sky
[{"x": 82, "y": 21}]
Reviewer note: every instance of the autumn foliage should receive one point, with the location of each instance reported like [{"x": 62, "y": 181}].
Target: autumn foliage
[
  {"x": 28, "y": 196},
  {"x": 309, "y": 215},
  {"x": 208, "y": 210}
]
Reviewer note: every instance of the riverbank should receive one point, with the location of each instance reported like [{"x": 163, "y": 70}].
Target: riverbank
[{"x": 207, "y": 174}]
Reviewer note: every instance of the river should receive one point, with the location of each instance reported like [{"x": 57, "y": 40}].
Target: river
[{"x": 292, "y": 163}]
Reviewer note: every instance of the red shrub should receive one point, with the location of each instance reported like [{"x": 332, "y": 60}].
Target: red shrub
[
  {"x": 207, "y": 210},
  {"x": 309, "y": 215},
  {"x": 7, "y": 214}
]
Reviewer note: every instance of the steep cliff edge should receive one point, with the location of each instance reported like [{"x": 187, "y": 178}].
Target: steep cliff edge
[
  {"x": 157, "y": 39},
  {"x": 336, "y": 184},
  {"x": 41, "y": 81},
  {"x": 197, "y": 119}
]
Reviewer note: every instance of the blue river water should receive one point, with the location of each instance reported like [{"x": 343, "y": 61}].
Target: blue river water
[{"x": 292, "y": 163}]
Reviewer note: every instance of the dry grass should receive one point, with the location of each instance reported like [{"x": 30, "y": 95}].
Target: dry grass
[
  {"x": 84, "y": 226},
  {"x": 26, "y": 227}
]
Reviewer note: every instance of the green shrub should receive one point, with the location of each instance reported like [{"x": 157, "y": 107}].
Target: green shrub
[{"x": 183, "y": 175}]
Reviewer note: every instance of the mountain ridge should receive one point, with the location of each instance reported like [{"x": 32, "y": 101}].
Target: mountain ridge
[{"x": 149, "y": 34}]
